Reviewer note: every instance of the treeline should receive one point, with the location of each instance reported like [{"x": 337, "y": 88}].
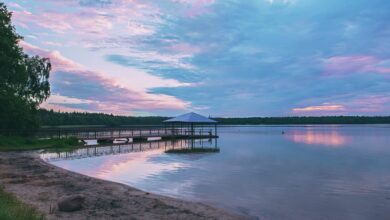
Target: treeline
[
  {"x": 52, "y": 118},
  {"x": 305, "y": 120}
]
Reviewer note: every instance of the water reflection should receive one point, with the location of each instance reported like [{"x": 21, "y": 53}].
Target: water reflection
[
  {"x": 117, "y": 161},
  {"x": 96, "y": 151},
  {"x": 262, "y": 172},
  {"x": 138, "y": 164},
  {"x": 317, "y": 137}
]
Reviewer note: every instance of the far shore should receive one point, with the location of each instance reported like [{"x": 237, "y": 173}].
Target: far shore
[{"x": 39, "y": 184}]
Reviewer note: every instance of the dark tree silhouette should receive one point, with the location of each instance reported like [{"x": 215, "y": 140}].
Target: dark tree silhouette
[
  {"x": 23, "y": 79},
  {"x": 51, "y": 118}
]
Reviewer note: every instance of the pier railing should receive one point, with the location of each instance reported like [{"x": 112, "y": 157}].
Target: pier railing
[{"x": 103, "y": 133}]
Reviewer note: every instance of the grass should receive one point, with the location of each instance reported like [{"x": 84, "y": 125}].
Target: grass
[
  {"x": 193, "y": 150},
  {"x": 30, "y": 143},
  {"x": 12, "y": 209}
]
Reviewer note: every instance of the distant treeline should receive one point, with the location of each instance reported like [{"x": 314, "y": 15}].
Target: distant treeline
[
  {"x": 305, "y": 120},
  {"x": 52, "y": 118}
]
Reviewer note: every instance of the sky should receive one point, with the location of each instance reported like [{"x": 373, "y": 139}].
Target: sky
[{"x": 229, "y": 58}]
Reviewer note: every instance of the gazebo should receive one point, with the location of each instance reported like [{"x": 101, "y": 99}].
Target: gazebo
[{"x": 193, "y": 125}]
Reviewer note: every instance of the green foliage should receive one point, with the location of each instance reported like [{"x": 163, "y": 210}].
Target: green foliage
[
  {"x": 51, "y": 118},
  {"x": 23, "y": 79},
  {"x": 10, "y": 143},
  {"x": 12, "y": 209}
]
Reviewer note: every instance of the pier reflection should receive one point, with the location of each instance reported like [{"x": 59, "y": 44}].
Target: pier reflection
[
  {"x": 98, "y": 150},
  {"x": 315, "y": 137}
]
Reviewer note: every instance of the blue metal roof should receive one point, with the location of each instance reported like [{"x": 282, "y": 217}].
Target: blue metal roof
[{"x": 190, "y": 118}]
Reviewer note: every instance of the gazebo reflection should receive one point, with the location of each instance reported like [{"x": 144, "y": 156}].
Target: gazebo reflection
[{"x": 163, "y": 145}]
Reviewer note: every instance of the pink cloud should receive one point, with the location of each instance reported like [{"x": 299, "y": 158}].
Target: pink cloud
[
  {"x": 121, "y": 17},
  {"x": 114, "y": 98},
  {"x": 58, "y": 61},
  {"x": 101, "y": 28},
  {"x": 14, "y": 6},
  {"x": 340, "y": 65},
  {"x": 370, "y": 104},
  {"x": 359, "y": 105},
  {"x": 83, "y": 22},
  {"x": 320, "y": 108}
]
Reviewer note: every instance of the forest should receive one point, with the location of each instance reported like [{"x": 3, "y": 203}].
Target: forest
[{"x": 52, "y": 118}]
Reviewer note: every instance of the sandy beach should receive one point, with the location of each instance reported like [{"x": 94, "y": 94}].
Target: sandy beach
[{"x": 40, "y": 184}]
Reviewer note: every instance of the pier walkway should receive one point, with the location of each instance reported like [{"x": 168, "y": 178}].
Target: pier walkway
[{"x": 131, "y": 134}]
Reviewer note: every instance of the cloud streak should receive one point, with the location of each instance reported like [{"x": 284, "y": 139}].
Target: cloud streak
[
  {"x": 224, "y": 58},
  {"x": 76, "y": 87},
  {"x": 355, "y": 64},
  {"x": 319, "y": 108}
]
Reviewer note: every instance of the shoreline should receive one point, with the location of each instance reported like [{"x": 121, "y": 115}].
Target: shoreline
[{"x": 40, "y": 184}]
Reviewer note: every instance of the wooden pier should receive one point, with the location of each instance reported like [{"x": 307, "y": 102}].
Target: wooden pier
[
  {"x": 131, "y": 134},
  {"x": 187, "y": 126}
]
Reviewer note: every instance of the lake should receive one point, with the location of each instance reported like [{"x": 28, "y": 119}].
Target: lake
[{"x": 268, "y": 172}]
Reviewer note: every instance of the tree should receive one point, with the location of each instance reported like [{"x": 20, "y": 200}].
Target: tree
[{"x": 24, "y": 79}]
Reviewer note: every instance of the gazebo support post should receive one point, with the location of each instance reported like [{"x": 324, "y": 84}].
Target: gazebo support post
[{"x": 192, "y": 125}]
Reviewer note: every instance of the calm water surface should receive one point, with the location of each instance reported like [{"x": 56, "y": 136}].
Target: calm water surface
[{"x": 269, "y": 172}]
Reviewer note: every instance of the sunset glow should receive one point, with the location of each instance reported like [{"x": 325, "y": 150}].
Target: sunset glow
[
  {"x": 223, "y": 58},
  {"x": 320, "y": 108},
  {"x": 310, "y": 137}
]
